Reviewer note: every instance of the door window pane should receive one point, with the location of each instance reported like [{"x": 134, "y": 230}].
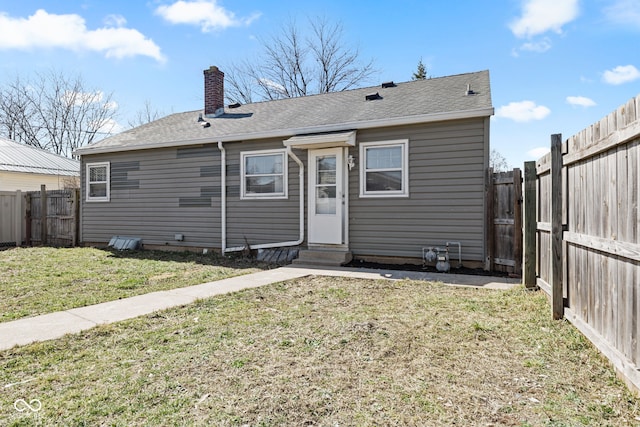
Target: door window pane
[
  {"x": 326, "y": 200},
  {"x": 326, "y": 185}
]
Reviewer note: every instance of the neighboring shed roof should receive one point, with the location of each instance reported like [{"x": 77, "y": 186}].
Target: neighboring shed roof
[
  {"x": 416, "y": 101},
  {"x": 16, "y": 157}
]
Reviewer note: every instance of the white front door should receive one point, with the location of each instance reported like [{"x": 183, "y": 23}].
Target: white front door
[{"x": 326, "y": 196}]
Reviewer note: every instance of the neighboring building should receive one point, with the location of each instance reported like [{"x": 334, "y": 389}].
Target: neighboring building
[
  {"x": 26, "y": 168},
  {"x": 379, "y": 172}
]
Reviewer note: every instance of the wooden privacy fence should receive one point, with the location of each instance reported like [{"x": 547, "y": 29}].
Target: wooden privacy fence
[
  {"x": 582, "y": 233},
  {"x": 39, "y": 217},
  {"x": 12, "y": 213},
  {"x": 52, "y": 217}
]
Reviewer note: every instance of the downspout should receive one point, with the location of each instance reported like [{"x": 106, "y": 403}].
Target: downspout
[
  {"x": 269, "y": 245},
  {"x": 223, "y": 196}
]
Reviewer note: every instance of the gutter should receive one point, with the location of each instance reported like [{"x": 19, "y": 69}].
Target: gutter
[
  {"x": 262, "y": 245},
  {"x": 283, "y": 133}
]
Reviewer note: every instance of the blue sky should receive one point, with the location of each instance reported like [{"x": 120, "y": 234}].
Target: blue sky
[{"x": 556, "y": 66}]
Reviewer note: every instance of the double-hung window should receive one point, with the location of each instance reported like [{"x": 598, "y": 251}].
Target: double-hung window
[
  {"x": 97, "y": 182},
  {"x": 264, "y": 174},
  {"x": 384, "y": 169}
]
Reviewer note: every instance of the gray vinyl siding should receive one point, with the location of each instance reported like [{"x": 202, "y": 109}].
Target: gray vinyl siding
[
  {"x": 156, "y": 194},
  {"x": 447, "y": 164},
  {"x": 260, "y": 221}
]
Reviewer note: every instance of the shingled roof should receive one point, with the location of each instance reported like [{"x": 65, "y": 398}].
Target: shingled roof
[
  {"x": 16, "y": 157},
  {"x": 419, "y": 101}
]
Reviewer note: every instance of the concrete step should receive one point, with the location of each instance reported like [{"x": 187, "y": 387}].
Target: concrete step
[{"x": 323, "y": 257}]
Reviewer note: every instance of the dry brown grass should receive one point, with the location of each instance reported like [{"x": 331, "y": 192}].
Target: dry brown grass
[
  {"x": 328, "y": 352},
  {"x": 40, "y": 280}
]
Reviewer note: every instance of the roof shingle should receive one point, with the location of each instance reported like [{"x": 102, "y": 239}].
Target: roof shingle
[{"x": 428, "y": 99}]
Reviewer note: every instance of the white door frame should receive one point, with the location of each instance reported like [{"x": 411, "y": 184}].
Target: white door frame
[{"x": 328, "y": 229}]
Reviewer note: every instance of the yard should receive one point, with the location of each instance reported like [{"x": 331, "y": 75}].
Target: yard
[
  {"x": 322, "y": 351},
  {"x": 42, "y": 280}
]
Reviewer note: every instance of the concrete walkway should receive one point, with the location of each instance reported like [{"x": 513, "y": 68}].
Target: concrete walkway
[{"x": 55, "y": 325}]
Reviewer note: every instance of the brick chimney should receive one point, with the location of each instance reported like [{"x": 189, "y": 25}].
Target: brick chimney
[{"x": 213, "y": 90}]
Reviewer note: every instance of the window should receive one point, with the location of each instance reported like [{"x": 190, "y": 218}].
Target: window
[
  {"x": 98, "y": 182},
  {"x": 264, "y": 174},
  {"x": 384, "y": 169}
]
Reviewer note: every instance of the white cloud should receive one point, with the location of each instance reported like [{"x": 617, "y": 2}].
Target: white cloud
[
  {"x": 537, "y": 152},
  {"x": 626, "y": 12},
  {"x": 273, "y": 85},
  {"x": 44, "y": 30},
  {"x": 539, "y": 47},
  {"x": 621, "y": 74},
  {"x": 80, "y": 98},
  {"x": 110, "y": 127},
  {"x": 115, "y": 21},
  {"x": 205, "y": 13},
  {"x": 523, "y": 111},
  {"x": 581, "y": 101},
  {"x": 111, "y": 105},
  {"x": 540, "y": 16}
]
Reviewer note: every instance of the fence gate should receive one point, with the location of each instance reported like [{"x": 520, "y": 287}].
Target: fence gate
[
  {"x": 52, "y": 217},
  {"x": 504, "y": 221}
]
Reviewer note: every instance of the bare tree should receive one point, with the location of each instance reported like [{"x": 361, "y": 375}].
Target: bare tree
[
  {"x": 293, "y": 64},
  {"x": 145, "y": 115},
  {"x": 55, "y": 112},
  {"x": 498, "y": 162}
]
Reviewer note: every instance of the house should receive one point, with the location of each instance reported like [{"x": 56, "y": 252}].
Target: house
[
  {"x": 26, "y": 168},
  {"x": 377, "y": 173}
]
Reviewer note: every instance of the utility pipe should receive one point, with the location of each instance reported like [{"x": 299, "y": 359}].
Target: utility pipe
[
  {"x": 223, "y": 196},
  {"x": 276, "y": 244}
]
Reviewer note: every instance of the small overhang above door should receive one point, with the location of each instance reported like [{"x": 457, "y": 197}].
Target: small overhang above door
[{"x": 324, "y": 140}]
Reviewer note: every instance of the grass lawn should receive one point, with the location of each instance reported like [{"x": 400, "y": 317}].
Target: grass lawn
[
  {"x": 42, "y": 280},
  {"x": 328, "y": 352}
]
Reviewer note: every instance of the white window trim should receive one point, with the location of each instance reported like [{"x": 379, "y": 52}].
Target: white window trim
[
  {"x": 404, "y": 143},
  {"x": 108, "y": 182},
  {"x": 269, "y": 196}
]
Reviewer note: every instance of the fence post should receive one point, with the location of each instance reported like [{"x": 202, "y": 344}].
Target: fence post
[
  {"x": 517, "y": 220},
  {"x": 43, "y": 214},
  {"x": 530, "y": 224},
  {"x": 489, "y": 237},
  {"x": 27, "y": 218},
  {"x": 18, "y": 218},
  {"x": 75, "y": 200},
  {"x": 557, "y": 300}
]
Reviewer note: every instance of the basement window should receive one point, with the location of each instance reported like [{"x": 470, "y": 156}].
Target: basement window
[
  {"x": 384, "y": 169},
  {"x": 264, "y": 174},
  {"x": 97, "y": 182}
]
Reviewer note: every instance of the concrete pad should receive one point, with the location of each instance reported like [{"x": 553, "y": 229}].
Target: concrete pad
[
  {"x": 487, "y": 282},
  {"x": 239, "y": 283},
  {"x": 128, "y": 308},
  {"x": 41, "y": 328}
]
